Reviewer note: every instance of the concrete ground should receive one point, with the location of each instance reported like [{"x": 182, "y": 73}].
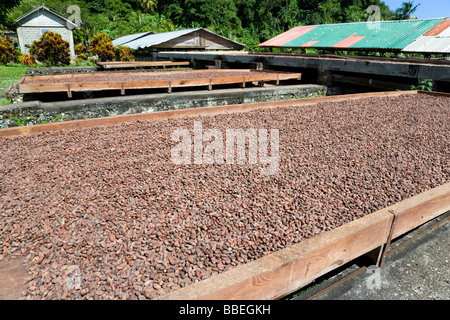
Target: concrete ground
[{"x": 417, "y": 267}]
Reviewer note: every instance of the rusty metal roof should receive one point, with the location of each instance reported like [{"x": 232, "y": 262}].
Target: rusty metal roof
[{"x": 381, "y": 35}]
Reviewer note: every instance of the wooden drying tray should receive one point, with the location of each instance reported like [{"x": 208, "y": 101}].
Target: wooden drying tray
[
  {"x": 121, "y": 81},
  {"x": 289, "y": 269},
  {"x": 141, "y": 64}
]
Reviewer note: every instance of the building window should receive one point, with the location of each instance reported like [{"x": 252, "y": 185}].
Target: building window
[{"x": 44, "y": 30}]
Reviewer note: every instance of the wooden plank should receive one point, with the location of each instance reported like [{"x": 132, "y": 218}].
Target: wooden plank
[
  {"x": 8, "y": 94},
  {"x": 292, "y": 268},
  {"x": 113, "y": 85},
  {"x": 416, "y": 211},
  {"x": 137, "y": 64},
  {"x": 36, "y": 88},
  {"x": 207, "y": 111},
  {"x": 434, "y": 93}
]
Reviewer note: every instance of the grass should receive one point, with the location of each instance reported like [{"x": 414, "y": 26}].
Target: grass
[
  {"x": 5, "y": 101},
  {"x": 11, "y": 72}
]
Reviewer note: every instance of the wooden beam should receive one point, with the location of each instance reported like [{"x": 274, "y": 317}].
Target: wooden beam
[
  {"x": 141, "y": 64},
  {"x": 92, "y": 85}
]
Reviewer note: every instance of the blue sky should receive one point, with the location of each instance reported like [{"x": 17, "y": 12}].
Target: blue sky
[{"x": 427, "y": 8}]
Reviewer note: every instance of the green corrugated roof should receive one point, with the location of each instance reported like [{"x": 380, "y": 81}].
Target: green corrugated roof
[{"x": 384, "y": 35}]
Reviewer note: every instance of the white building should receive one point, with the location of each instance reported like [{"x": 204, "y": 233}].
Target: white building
[{"x": 32, "y": 25}]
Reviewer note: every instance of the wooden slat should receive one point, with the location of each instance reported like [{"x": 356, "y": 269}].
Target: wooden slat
[
  {"x": 34, "y": 88},
  {"x": 92, "y": 85},
  {"x": 137, "y": 64},
  {"x": 8, "y": 93}
]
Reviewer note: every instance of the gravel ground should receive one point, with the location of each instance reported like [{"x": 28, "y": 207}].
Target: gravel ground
[
  {"x": 147, "y": 76},
  {"x": 103, "y": 213}
]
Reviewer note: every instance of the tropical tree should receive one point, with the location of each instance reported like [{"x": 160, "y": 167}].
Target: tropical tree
[
  {"x": 5, "y": 8},
  {"x": 405, "y": 12},
  {"x": 149, "y": 5},
  {"x": 142, "y": 22}
]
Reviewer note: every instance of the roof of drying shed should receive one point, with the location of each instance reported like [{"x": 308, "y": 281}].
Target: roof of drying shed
[
  {"x": 436, "y": 40},
  {"x": 156, "y": 39},
  {"x": 385, "y": 35}
]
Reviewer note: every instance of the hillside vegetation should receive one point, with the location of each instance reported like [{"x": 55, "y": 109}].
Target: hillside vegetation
[{"x": 247, "y": 21}]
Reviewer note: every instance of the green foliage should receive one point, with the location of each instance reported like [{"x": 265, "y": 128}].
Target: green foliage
[
  {"x": 5, "y": 9},
  {"x": 102, "y": 47},
  {"x": 424, "y": 85},
  {"x": 149, "y": 5},
  {"x": 406, "y": 11},
  {"x": 141, "y": 22},
  {"x": 81, "y": 53},
  {"x": 12, "y": 72},
  {"x": 7, "y": 51},
  {"x": 124, "y": 53},
  {"x": 5, "y": 101},
  {"x": 21, "y": 121},
  {"x": 247, "y": 21},
  {"x": 51, "y": 49}
]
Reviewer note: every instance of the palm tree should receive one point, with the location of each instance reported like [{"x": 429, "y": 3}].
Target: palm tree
[
  {"x": 405, "y": 12},
  {"x": 149, "y": 5}
]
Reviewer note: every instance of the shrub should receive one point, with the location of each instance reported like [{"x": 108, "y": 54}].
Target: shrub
[
  {"x": 51, "y": 49},
  {"x": 81, "y": 52},
  {"x": 27, "y": 60},
  {"x": 7, "y": 51},
  {"x": 125, "y": 53},
  {"x": 102, "y": 47}
]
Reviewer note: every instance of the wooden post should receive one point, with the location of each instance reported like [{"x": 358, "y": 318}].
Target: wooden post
[
  {"x": 243, "y": 83},
  {"x": 69, "y": 93},
  {"x": 122, "y": 91}
]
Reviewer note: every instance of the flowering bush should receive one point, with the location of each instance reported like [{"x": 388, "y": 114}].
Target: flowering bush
[
  {"x": 27, "y": 60},
  {"x": 7, "y": 51},
  {"x": 81, "y": 52},
  {"x": 102, "y": 47},
  {"x": 51, "y": 49},
  {"x": 125, "y": 53}
]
